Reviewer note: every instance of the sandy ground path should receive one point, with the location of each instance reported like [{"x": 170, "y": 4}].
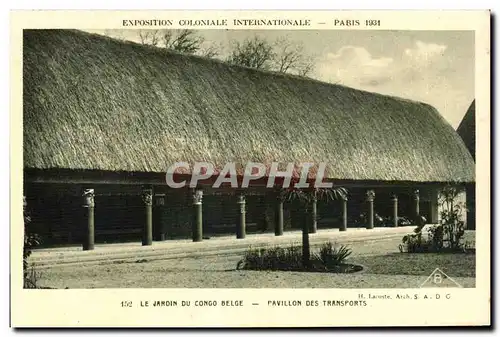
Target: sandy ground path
[
  {"x": 180, "y": 249},
  {"x": 214, "y": 271}
]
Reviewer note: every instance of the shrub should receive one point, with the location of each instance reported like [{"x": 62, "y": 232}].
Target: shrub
[
  {"x": 436, "y": 237},
  {"x": 445, "y": 237},
  {"x": 417, "y": 243},
  {"x": 453, "y": 226},
  {"x": 330, "y": 255},
  {"x": 275, "y": 258},
  {"x": 31, "y": 240},
  {"x": 411, "y": 243},
  {"x": 290, "y": 258}
]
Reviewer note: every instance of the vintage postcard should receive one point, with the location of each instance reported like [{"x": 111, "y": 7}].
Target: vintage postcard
[{"x": 245, "y": 168}]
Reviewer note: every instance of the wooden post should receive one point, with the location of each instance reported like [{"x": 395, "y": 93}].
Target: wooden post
[
  {"x": 278, "y": 223},
  {"x": 147, "y": 232},
  {"x": 416, "y": 199},
  {"x": 158, "y": 222},
  {"x": 314, "y": 214},
  {"x": 306, "y": 250},
  {"x": 88, "y": 204},
  {"x": 197, "y": 216},
  {"x": 434, "y": 205},
  {"x": 395, "y": 210},
  {"x": 343, "y": 226},
  {"x": 370, "y": 197},
  {"x": 241, "y": 224}
]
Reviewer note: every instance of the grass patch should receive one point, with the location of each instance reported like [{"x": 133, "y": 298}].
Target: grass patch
[{"x": 454, "y": 265}]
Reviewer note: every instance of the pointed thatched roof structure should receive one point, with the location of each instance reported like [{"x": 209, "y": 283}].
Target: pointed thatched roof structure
[
  {"x": 95, "y": 103},
  {"x": 467, "y": 129}
]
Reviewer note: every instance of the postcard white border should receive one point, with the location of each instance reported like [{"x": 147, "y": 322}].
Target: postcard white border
[{"x": 100, "y": 307}]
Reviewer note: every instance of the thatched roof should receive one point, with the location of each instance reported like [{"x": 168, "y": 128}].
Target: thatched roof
[
  {"x": 91, "y": 102},
  {"x": 467, "y": 129}
]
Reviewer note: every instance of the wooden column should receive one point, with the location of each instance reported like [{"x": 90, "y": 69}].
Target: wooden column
[
  {"x": 306, "y": 250},
  {"x": 278, "y": 222},
  {"x": 370, "y": 197},
  {"x": 241, "y": 224},
  {"x": 343, "y": 226},
  {"x": 88, "y": 205},
  {"x": 314, "y": 215},
  {"x": 394, "y": 210},
  {"x": 434, "y": 206},
  {"x": 147, "y": 231},
  {"x": 197, "y": 216},
  {"x": 416, "y": 199},
  {"x": 158, "y": 221}
]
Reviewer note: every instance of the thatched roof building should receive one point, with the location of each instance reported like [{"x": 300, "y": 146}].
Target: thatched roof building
[
  {"x": 467, "y": 129},
  {"x": 95, "y": 103}
]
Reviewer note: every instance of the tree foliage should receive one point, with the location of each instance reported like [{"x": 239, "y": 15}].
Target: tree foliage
[
  {"x": 281, "y": 55},
  {"x": 291, "y": 58},
  {"x": 183, "y": 41},
  {"x": 255, "y": 53},
  {"x": 452, "y": 214},
  {"x": 305, "y": 198}
]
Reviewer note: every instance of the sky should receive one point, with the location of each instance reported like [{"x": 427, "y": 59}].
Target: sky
[{"x": 435, "y": 67}]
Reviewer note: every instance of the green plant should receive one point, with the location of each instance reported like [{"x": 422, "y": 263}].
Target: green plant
[
  {"x": 305, "y": 198},
  {"x": 330, "y": 194},
  {"x": 275, "y": 258},
  {"x": 330, "y": 255},
  {"x": 413, "y": 243},
  {"x": 290, "y": 258},
  {"x": 436, "y": 237},
  {"x": 30, "y": 240},
  {"x": 447, "y": 235},
  {"x": 452, "y": 213}
]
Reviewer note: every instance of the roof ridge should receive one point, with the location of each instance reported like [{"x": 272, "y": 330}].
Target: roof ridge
[{"x": 262, "y": 71}]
